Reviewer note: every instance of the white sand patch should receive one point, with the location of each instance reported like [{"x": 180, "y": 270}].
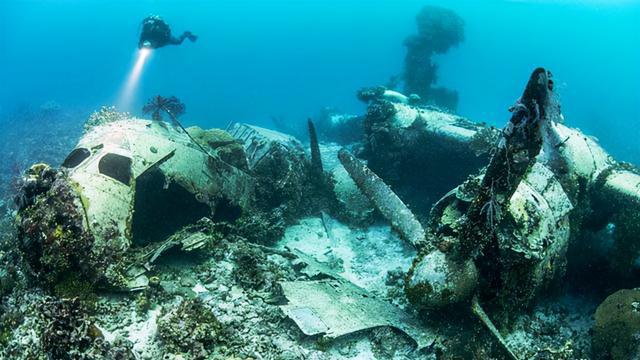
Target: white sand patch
[
  {"x": 361, "y": 256},
  {"x": 142, "y": 333},
  {"x": 199, "y": 288}
]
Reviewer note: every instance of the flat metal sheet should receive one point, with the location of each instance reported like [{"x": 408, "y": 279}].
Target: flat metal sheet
[{"x": 335, "y": 308}]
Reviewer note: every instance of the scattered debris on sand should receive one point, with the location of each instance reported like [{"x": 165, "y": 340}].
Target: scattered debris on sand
[{"x": 155, "y": 241}]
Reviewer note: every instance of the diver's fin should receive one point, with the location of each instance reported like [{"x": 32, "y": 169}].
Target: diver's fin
[{"x": 190, "y": 36}]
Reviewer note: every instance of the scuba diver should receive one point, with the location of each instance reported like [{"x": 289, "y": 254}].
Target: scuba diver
[{"x": 156, "y": 33}]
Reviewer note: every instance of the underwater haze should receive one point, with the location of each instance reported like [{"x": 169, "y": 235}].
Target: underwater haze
[
  {"x": 319, "y": 179},
  {"x": 256, "y": 60}
]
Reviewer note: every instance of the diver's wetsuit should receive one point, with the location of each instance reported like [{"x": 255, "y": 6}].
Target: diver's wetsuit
[{"x": 156, "y": 33}]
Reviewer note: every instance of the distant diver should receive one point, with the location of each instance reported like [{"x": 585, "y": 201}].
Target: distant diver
[{"x": 156, "y": 33}]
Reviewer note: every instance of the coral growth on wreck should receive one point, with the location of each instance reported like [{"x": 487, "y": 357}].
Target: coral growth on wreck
[
  {"x": 225, "y": 283},
  {"x": 106, "y": 114},
  {"x": 190, "y": 328},
  {"x": 226, "y": 146},
  {"x": 53, "y": 236},
  {"x": 51, "y": 228},
  {"x": 262, "y": 227},
  {"x": 69, "y": 333}
]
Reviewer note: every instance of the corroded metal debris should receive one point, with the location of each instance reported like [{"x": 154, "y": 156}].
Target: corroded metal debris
[{"x": 336, "y": 308}]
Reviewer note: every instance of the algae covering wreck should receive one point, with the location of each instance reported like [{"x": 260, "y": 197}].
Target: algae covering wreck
[{"x": 429, "y": 236}]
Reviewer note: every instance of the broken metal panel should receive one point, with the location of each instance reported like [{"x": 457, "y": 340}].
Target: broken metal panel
[
  {"x": 259, "y": 142},
  {"x": 313, "y": 269},
  {"x": 280, "y": 167},
  {"x": 336, "y": 308},
  {"x": 208, "y": 177},
  {"x": 194, "y": 242},
  {"x": 189, "y": 238},
  {"x": 137, "y": 280}
]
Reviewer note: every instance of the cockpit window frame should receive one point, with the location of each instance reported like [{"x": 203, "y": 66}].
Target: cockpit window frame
[
  {"x": 117, "y": 167},
  {"x": 76, "y": 157}
]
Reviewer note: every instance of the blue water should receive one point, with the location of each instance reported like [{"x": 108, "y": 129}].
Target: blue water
[{"x": 288, "y": 58}]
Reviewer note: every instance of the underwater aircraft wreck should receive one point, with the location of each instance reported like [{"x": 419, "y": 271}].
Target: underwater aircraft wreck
[
  {"x": 503, "y": 234},
  {"x": 133, "y": 190},
  {"x": 130, "y": 184}
]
